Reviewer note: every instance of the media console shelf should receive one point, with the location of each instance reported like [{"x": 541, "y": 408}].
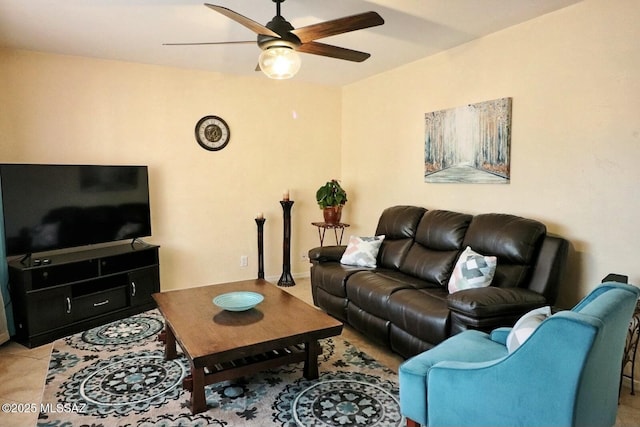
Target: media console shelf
[{"x": 70, "y": 292}]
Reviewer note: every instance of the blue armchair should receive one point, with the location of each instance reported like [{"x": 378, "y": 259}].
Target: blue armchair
[{"x": 566, "y": 373}]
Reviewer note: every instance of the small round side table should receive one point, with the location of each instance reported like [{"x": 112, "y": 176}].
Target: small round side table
[{"x": 324, "y": 226}]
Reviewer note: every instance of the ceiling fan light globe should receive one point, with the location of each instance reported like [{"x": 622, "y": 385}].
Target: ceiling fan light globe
[{"x": 279, "y": 62}]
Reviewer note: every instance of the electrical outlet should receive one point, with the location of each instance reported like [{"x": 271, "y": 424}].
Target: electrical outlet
[{"x": 244, "y": 260}]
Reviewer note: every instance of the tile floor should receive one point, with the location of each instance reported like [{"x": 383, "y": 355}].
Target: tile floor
[{"x": 22, "y": 373}]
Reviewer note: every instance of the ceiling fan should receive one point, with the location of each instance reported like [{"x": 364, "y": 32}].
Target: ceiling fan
[{"x": 280, "y": 41}]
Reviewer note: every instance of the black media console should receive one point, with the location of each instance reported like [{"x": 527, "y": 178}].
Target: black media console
[{"x": 70, "y": 292}]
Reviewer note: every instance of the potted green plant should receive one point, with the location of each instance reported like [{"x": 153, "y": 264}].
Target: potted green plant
[{"x": 331, "y": 197}]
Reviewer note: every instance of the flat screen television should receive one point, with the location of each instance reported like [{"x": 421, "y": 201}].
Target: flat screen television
[{"x": 49, "y": 207}]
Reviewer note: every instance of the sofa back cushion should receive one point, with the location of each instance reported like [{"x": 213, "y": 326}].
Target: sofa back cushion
[
  {"x": 437, "y": 243},
  {"x": 398, "y": 224},
  {"x": 514, "y": 240}
]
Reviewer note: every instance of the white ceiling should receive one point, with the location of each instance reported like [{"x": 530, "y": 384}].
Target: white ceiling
[{"x": 134, "y": 30}]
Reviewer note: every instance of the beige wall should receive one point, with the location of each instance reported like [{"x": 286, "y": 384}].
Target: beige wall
[
  {"x": 60, "y": 109},
  {"x": 574, "y": 76}
]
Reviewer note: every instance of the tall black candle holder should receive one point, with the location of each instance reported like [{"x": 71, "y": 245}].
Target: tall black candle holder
[
  {"x": 286, "y": 279},
  {"x": 260, "y": 224}
]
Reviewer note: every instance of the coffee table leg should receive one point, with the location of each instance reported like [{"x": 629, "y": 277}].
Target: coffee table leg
[
  {"x": 312, "y": 350},
  {"x": 198, "y": 401},
  {"x": 169, "y": 344}
]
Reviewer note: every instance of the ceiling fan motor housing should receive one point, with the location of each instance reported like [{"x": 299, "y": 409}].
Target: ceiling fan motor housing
[{"x": 282, "y": 27}]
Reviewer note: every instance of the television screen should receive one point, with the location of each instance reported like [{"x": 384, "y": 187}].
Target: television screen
[{"x": 49, "y": 207}]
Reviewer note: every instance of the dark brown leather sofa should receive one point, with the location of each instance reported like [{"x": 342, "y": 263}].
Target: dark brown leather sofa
[{"x": 404, "y": 302}]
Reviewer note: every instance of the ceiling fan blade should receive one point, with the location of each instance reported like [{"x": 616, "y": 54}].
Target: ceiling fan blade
[
  {"x": 243, "y": 20},
  {"x": 338, "y": 26},
  {"x": 207, "y": 43},
  {"x": 316, "y": 48}
]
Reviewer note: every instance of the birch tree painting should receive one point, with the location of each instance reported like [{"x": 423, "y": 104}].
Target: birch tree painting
[{"x": 469, "y": 144}]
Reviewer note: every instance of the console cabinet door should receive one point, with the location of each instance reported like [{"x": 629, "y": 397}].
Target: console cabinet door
[
  {"x": 143, "y": 283},
  {"x": 49, "y": 309}
]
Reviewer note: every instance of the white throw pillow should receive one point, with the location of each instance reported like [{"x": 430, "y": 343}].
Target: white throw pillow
[
  {"x": 362, "y": 251},
  {"x": 472, "y": 271},
  {"x": 525, "y": 326}
]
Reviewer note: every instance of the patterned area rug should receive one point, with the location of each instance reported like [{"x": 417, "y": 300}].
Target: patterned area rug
[{"x": 116, "y": 375}]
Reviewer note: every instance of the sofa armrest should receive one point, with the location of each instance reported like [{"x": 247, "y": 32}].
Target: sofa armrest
[
  {"x": 326, "y": 254},
  {"x": 491, "y": 307},
  {"x": 550, "y": 266}
]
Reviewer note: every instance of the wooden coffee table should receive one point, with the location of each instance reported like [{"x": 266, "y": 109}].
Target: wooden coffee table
[{"x": 223, "y": 345}]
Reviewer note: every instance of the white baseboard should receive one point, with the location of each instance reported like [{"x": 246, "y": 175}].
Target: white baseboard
[{"x": 626, "y": 382}]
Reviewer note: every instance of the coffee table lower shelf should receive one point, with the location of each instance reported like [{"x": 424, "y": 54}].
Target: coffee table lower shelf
[
  {"x": 250, "y": 365},
  {"x": 201, "y": 377}
]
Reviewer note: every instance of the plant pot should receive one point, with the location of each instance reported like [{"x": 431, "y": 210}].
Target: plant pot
[{"x": 332, "y": 214}]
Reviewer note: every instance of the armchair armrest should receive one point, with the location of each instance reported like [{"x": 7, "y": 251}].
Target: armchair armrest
[
  {"x": 491, "y": 307},
  {"x": 500, "y": 335},
  {"x": 326, "y": 253}
]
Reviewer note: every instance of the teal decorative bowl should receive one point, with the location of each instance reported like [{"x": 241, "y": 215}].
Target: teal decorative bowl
[{"x": 238, "y": 301}]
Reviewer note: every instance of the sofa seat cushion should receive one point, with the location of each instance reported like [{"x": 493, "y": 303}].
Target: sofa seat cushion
[
  {"x": 410, "y": 281},
  {"x": 422, "y": 313},
  {"x": 333, "y": 276},
  {"x": 371, "y": 291}
]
